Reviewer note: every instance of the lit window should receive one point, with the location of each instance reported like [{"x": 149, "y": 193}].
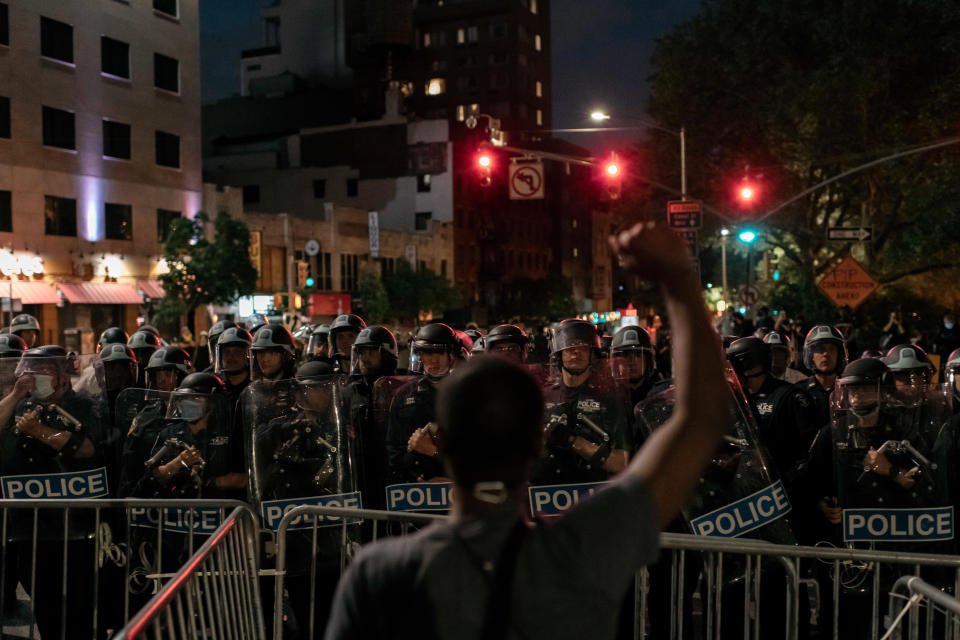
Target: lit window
[
  {"x": 539, "y": 118},
  {"x": 426, "y": 40},
  {"x": 474, "y": 108},
  {"x": 461, "y": 113},
  {"x": 539, "y": 89},
  {"x": 533, "y": 6},
  {"x": 576, "y": 252},
  {"x": 461, "y": 36},
  {"x": 536, "y": 42},
  {"x": 435, "y": 86}
]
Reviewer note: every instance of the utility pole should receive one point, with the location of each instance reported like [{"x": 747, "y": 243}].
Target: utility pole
[{"x": 288, "y": 253}]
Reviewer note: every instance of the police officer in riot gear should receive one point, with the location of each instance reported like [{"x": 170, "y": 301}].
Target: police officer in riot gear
[
  {"x": 49, "y": 429},
  {"x": 274, "y": 356},
  {"x": 318, "y": 347},
  {"x": 779, "y": 344},
  {"x": 412, "y": 452},
  {"x": 375, "y": 355},
  {"x": 952, "y": 373},
  {"x": 787, "y": 419},
  {"x": 632, "y": 354},
  {"x": 587, "y": 437},
  {"x": 474, "y": 335},
  {"x": 508, "y": 341},
  {"x": 193, "y": 456},
  {"x": 143, "y": 344},
  {"x": 912, "y": 372},
  {"x": 112, "y": 335},
  {"x": 232, "y": 362},
  {"x": 213, "y": 336},
  {"x": 825, "y": 355},
  {"x": 11, "y": 348},
  {"x": 27, "y": 328},
  {"x": 343, "y": 332}
]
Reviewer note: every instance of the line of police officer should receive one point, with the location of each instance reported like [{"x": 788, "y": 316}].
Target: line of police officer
[{"x": 255, "y": 426}]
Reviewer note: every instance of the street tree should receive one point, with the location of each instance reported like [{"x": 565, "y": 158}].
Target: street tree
[
  {"x": 202, "y": 271},
  {"x": 412, "y": 293}
]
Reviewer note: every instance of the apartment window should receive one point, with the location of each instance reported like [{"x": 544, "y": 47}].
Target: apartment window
[
  {"x": 461, "y": 114},
  {"x": 4, "y": 117},
  {"x": 539, "y": 118},
  {"x": 251, "y": 194},
  {"x": 499, "y": 80},
  {"x": 435, "y": 86},
  {"x": 533, "y": 6},
  {"x": 423, "y": 183},
  {"x": 271, "y": 29},
  {"x": 56, "y": 40},
  {"x": 320, "y": 188},
  {"x": 498, "y": 31},
  {"x": 423, "y": 220},
  {"x": 4, "y": 25},
  {"x": 324, "y": 273},
  {"x": 348, "y": 272},
  {"x": 388, "y": 266},
  {"x": 116, "y": 139},
  {"x": 118, "y": 220},
  {"x": 58, "y": 128},
  {"x": 439, "y": 38},
  {"x": 498, "y": 57},
  {"x": 166, "y": 73},
  {"x": 576, "y": 252},
  {"x": 467, "y": 82},
  {"x": 439, "y": 65},
  {"x": 473, "y": 34},
  {"x": 539, "y": 89},
  {"x": 536, "y": 42},
  {"x": 353, "y": 187},
  {"x": 426, "y": 40},
  {"x": 165, "y": 220},
  {"x": 168, "y": 7},
  {"x": 114, "y": 57},
  {"x": 521, "y": 59},
  {"x": 443, "y": 268},
  {"x": 6, "y": 212},
  {"x": 168, "y": 149},
  {"x": 461, "y": 35},
  {"x": 60, "y": 216}
]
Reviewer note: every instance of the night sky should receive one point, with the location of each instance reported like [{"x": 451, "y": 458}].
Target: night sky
[{"x": 601, "y": 52}]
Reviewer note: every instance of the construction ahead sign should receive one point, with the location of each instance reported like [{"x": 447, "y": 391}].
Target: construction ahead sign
[{"x": 848, "y": 284}]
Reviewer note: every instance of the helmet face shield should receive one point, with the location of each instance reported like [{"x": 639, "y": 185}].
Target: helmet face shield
[
  {"x": 860, "y": 399},
  {"x": 232, "y": 357},
  {"x": 189, "y": 407},
  {"x": 318, "y": 346},
  {"x": 634, "y": 364}
]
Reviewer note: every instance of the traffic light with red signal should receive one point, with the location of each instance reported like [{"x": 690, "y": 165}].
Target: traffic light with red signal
[
  {"x": 484, "y": 165},
  {"x": 613, "y": 176}
]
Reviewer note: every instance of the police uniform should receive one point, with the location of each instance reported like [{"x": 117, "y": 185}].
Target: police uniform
[
  {"x": 820, "y": 397},
  {"x": 371, "y": 440},
  {"x": 788, "y": 422},
  {"x": 412, "y": 408},
  {"x": 565, "y": 410}
]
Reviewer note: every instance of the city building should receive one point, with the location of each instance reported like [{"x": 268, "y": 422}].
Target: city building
[{"x": 99, "y": 152}]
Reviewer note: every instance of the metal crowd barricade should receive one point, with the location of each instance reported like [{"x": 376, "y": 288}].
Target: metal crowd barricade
[
  {"x": 124, "y": 545},
  {"x": 749, "y": 556},
  {"x": 918, "y": 591},
  {"x": 377, "y": 527},
  {"x": 215, "y": 595}
]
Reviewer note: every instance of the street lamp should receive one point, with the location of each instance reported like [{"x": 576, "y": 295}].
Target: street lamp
[{"x": 600, "y": 116}]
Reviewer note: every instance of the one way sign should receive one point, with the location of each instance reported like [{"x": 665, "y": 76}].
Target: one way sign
[{"x": 849, "y": 233}]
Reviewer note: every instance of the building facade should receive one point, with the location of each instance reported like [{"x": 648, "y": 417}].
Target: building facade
[{"x": 99, "y": 152}]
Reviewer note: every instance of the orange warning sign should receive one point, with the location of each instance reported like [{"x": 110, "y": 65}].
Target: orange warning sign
[{"x": 848, "y": 284}]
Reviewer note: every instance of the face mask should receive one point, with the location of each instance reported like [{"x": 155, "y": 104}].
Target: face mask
[
  {"x": 948, "y": 325},
  {"x": 42, "y": 387},
  {"x": 191, "y": 410},
  {"x": 865, "y": 409}
]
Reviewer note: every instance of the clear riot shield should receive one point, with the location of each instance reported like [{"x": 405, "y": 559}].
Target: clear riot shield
[
  {"x": 404, "y": 411},
  {"x": 91, "y": 377},
  {"x": 56, "y": 443},
  {"x": 303, "y": 456},
  {"x": 140, "y": 415},
  {"x": 739, "y": 493},
  {"x": 894, "y": 457},
  {"x": 587, "y": 437},
  {"x": 8, "y": 367}
]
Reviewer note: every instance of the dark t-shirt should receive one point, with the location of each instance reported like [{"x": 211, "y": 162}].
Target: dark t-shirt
[{"x": 570, "y": 577}]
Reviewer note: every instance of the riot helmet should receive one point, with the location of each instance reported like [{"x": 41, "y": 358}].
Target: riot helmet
[
  {"x": 196, "y": 396},
  {"x": 344, "y": 330},
  {"x": 951, "y": 369},
  {"x": 871, "y": 353},
  {"x": 11, "y": 346},
  {"x": 865, "y": 386},
  {"x": 750, "y": 359},
  {"x": 113, "y": 335},
  {"x": 912, "y": 371},
  {"x": 51, "y": 367},
  {"x": 119, "y": 366},
  {"x": 479, "y": 346},
  {"x": 433, "y": 350},
  {"x": 256, "y": 322},
  {"x": 374, "y": 352},
  {"x": 818, "y": 356},
  {"x": 473, "y": 334},
  {"x": 581, "y": 342},
  {"x": 233, "y": 352},
  {"x": 762, "y": 332},
  {"x": 318, "y": 347},
  {"x": 171, "y": 359},
  {"x": 27, "y": 327},
  {"x": 632, "y": 354},
  {"x": 273, "y": 353},
  {"x": 143, "y": 344},
  {"x": 314, "y": 386},
  {"x": 779, "y": 344},
  {"x": 213, "y": 335},
  {"x": 149, "y": 328},
  {"x": 507, "y": 340},
  {"x": 302, "y": 335}
]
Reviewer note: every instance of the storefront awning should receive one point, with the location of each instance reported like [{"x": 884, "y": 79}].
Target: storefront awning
[
  {"x": 100, "y": 293},
  {"x": 152, "y": 288},
  {"x": 30, "y": 292}
]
